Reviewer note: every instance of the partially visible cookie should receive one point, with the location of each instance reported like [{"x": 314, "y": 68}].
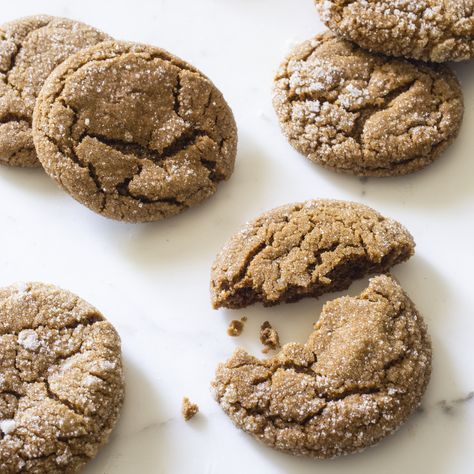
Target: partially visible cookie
[
  {"x": 61, "y": 382},
  {"x": 305, "y": 249},
  {"x": 134, "y": 133},
  {"x": 359, "y": 376},
  {"x": 363, "y": 113},
  {"x": 430, "y": 30},
  {"x": 30, "y": 48}
]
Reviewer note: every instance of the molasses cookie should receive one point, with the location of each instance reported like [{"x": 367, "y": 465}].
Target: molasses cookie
[
  {"x": 133, "y": 133},
  {"x": 430, "y": 30},
  {"x": 30, "y": 48},
  {"x": 61, "y": 385},
  {"x": 306, "y": 249},
  {"x": 363, "y": 113},
  {"x": 359, "y": 376}
]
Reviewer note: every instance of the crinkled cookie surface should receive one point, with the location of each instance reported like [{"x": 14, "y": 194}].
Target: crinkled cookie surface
[
  {"x": 133, "y": 132},
  {"x": 61, "y": 382},
  {"x": 359, "y": 376},
  {"x": 363, "y": 113},
  {"x": 30, "y": 48},
  {"x": 430, "y": 30},
  {"x": 306, "y": 249}
]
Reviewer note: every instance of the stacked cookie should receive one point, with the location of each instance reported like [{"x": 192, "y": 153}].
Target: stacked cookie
[
  {"x": 426, "y": 30},
  {"x": 359, "y": 111},
  {"x": 128, "y": 130},
  {"x": 30, "y": 49}
]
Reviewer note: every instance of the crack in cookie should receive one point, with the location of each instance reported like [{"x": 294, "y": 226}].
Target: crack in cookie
[
  {"x": 359, "y": 376},
  {"x": 61, "y": 381},
  {"x": 305, "y": 249},
  {"x": 362, "y": 113},
  {"x": 134, "y": 133}
]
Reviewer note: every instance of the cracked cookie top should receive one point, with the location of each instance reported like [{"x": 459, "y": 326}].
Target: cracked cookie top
[
  {"x": 362, "y": 113},
  {"x": 359, "y": 376},
  {"x": 30, "y": 48},
  {"x": 133, "y": 132},
  {"x": 61, "y": 386},
  {"x": 430, "y": 30},
  {"x": 306, "y": 249}
]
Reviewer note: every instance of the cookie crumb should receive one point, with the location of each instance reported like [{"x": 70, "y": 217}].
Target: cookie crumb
[
  {"x": 236, "y": 327},
  {"x": 269, "y": 337},
  {"x": 189, "y": 409}
]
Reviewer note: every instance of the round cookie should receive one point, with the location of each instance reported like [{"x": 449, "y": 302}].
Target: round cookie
[
  {"x": 134, "y": 133},
  {"x": 430, "y": 30},
  {"x": 306, "y": 249},
  {"x": 362, "y": 113},
  {"x": 359, "y": 376},
  {"x": 30, "y": 48},
  {"x": 61, "y": 382}
]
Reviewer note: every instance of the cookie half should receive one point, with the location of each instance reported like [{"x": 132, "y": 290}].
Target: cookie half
[
  {"x": 430, "y": 30},
  {"x": 30, "y": 48},
  {"x": 134, "y": 133},
  {"x": 305, "y": 249},
  {"x": 359, "y": 376},
  {"x": 363, "y": 113},
  {"x": 61, "y": 382}
]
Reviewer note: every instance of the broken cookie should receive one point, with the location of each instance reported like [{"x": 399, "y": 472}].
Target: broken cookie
[
  {"x": 133, "y": 133},
  {"x": 61, "y": 380},
  {"x": 306, "y": 249},
  {"x": 359, "y": 376}
]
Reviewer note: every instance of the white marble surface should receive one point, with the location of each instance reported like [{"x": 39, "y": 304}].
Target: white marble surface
[{"x": 151, "y": 280}]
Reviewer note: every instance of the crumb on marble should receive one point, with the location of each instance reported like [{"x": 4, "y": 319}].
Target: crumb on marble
[
  {"x": 236, "y": 327},
  {"x": 269, "y": 337},
  {"x": 188, "y": 409}
]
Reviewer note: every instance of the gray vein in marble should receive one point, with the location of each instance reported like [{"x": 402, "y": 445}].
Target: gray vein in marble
[{"x": 449, "y": 406}]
